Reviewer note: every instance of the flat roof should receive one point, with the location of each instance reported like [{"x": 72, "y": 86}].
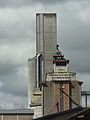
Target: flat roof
[
  {"x": 17, "y": 111},
  {"x": 52, "y": 13},
  {"x": 85, "y": 92}
]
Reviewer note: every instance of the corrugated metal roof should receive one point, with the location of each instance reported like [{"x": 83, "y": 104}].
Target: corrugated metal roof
[
  {"x": 17, "y": 111},
  {"x": 64, "y": 114}
]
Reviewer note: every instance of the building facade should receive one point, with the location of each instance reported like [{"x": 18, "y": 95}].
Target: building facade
[
  {"x": 46, "y": 33},
  {"x": 51, "y": 87},
  {"x": 62, "y": 91},
  {"x": 46, "y": 40}
]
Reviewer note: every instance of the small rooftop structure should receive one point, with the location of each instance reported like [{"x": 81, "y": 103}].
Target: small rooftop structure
[
  {"x": 16, "y": 114},
  {"x": 85, "y": 94}
]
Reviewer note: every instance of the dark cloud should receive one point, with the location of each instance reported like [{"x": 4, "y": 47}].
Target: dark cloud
[
  {"x": 18, "y": 3},
  {"x": 12, "y": 75},
  {"x": 14, "y": 3},
  {"x": 21, "y": 3},
  {"x": 14, "y": 27},
  {"x": 74, "y": 37},
  {"x": 8, "y": 101},
  {"x": 13, "y": 87},
  {"x": 79, "y": 61}
]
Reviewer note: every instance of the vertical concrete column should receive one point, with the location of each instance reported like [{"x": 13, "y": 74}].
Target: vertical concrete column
[
  {"x": 17, "y": 116},
  {"x": 46, "y": 39},
  {"x": 31, "y": 79},
  {"x": 39, "y": 33},
  {"x": 2, "y": 116},
  {"x": 46, "y": 42}
]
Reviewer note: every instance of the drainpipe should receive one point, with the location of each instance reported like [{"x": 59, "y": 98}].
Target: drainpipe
[{"x": 37, "y": 69}]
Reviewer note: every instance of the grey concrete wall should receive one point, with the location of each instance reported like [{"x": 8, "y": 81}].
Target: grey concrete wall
[
  {"x": 46, "y": 42},
  {"x": 75, "y": 92},
  {"x": 48, "y": 98},
  {"x": 25, "y": 117},
  {"x": 9, "y": 117},
  {"x": 37, "y": 111},
  {"x": 0, "y": 117},
  {"x": 46, "y": 32},
  {"x": 46, "y": 38},
  {"x": 31, "y": 78}
]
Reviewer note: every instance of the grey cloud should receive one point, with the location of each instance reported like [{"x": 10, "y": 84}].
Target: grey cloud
[
  {"x": 13, "y": 68},
  {"x": 12, "y": 80},
  {"x": 8, "y": 68},
  {"x": 79, "y": 61},
  {"x": 20, "y": 3},
  {"x": 85, "y": 77},
  {"x": 8, "y": 101},
  {"x": 16, "y": 26},
  {"x": 74, "y": 37},
  {"x": 17, "y": 42},
  {"x": 14, "y": 3},
  {"x": 55, "y": 2}
]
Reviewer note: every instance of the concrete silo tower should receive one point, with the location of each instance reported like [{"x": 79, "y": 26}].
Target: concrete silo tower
[
  {"x": 46, "y": 45},
  {"x": 46, "y": 39},
  {"x": 48, "y": 72}
]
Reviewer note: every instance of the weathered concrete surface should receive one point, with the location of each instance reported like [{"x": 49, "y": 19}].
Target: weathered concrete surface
[{"x": 31, "y": 79}]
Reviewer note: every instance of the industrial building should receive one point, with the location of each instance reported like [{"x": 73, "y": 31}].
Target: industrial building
[
  {"x": 53, "y": 91},
  {"x": 51, "y": 87},
  {"x": 61, "y": 90},
  {"x": 46, "y": 33},
  {"x": 77, "y": 113},
  {"x": 16, "y": 114}
]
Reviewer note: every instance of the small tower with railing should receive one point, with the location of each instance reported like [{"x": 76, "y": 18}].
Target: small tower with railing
[
  {"x": 63, "y": 90},
  {"x": 60, "y": 63}
]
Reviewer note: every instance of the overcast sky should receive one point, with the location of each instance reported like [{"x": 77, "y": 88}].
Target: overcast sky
[{"x": 17, "y": 43}]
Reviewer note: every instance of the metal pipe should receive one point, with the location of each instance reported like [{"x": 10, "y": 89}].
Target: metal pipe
[
  {"x": 37, "y": 73},
  {"x": 42, "y": 68},
  {"x": 86, "y": 100}
]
